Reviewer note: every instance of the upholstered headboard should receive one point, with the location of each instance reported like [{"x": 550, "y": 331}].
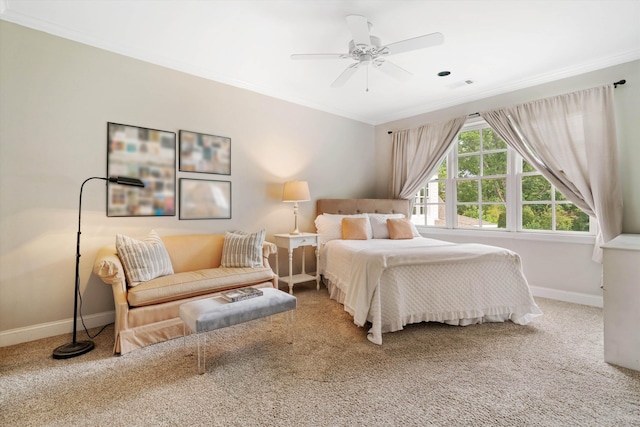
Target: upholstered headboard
[{"x": 356, "y": 206}]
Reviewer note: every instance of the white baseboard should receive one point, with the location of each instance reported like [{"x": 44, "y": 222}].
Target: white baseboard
[
  {"x": 50, "y": 329},
  {"x": 574, "y": 297},
  {"x": 45, "y": 330}
]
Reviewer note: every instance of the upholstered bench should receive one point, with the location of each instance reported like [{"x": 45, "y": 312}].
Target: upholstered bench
[{"x": 209, "y": 314}]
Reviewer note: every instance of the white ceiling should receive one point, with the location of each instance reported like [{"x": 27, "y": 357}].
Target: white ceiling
[{"x": 500, "y": 45}]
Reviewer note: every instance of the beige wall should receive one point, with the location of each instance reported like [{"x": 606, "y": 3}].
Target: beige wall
[
  {"x": 560, "y": 269},
  {"x": 57, "y": 97}
]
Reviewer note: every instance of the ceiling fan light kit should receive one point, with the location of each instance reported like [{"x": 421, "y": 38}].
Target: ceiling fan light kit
[{"x": 367, "y": 51}]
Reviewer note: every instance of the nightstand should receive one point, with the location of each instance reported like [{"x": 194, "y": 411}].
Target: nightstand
[{"x": 290, "y": 242}]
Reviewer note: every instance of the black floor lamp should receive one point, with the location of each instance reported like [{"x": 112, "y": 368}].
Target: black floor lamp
[{"x": 75, "y": 347}]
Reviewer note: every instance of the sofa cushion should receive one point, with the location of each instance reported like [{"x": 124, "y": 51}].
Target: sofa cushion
[
  {"x": 143, "y": 260},
  {"x": 242, "y": 249},
  {"x": 193, "y": 283}
]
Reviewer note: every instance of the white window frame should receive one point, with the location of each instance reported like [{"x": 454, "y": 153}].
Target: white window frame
[{"x": 514, "y": 202}]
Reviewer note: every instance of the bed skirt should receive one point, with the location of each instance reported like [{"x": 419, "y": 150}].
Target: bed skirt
[{"x": 519, "y": 315}]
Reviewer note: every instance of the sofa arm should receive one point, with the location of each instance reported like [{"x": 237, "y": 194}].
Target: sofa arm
[
  {"x": 268, "y": 248},
  {"x": 108, "y": 267}
]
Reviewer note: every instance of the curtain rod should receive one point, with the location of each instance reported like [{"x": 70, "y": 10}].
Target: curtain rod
[
  {"x": 619, "y": 82},
  {"x": 615, "y": 85}
]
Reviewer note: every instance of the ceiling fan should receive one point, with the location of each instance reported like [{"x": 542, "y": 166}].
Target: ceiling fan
[{"x": 367, "y": 51}]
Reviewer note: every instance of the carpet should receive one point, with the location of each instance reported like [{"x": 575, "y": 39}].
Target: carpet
[{"x": 548, "y": 373}]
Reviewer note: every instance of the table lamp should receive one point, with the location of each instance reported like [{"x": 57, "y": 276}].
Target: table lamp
[{"x": 296, "y": 191}]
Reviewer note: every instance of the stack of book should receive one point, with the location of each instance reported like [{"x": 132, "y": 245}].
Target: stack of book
[{"x": 241, "y": 294}]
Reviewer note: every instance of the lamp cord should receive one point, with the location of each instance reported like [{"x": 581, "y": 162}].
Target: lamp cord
[{"x": 85, "y": 326}]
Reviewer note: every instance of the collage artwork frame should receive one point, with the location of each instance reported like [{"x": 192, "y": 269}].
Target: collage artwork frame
[
  {"x": 204, "y": 199},
  {"x": 149, "y": 155},
  {"x": 204, "y": 153}
]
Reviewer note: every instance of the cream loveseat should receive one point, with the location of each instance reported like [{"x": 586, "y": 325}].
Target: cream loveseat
[{"x": 148, "y": 312}]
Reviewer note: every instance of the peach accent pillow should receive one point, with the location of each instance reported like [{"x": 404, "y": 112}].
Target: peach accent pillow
[
  {"x": 329, "y": 226},
  {"x": 399, "y": 228},
  {"x": 354, "y": 228}
]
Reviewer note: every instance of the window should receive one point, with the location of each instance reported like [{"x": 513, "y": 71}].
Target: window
[
  {"x": 481, "y": 180},
  {"x": 429, "y": 204},
  {"x": 545, "y": 208},
  {"x": 487, "y": 185}
]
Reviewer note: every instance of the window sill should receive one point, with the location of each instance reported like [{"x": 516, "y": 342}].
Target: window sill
[{"x": 511, "y": 235}]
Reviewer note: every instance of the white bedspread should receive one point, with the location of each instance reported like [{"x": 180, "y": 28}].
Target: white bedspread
[{"x": 391, "y": 283}]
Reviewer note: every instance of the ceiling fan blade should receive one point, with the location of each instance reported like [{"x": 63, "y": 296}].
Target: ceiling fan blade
[
  {"x": 393, "y": 70},
  {"x": 320, "y": 56},
  {"x": 420, "y": 42},
  {"x": 359, "y": 27},
  {"x": 346, "y": 75}
]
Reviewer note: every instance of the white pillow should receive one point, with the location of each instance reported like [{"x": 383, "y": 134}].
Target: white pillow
[
  {"x": 415, "y": 231},
  {"x": 242, "y": 249},
  {"x": 329, "y": 226},
  {"x": 143, "y": 260},
  {"x": 379, "y": 225}
]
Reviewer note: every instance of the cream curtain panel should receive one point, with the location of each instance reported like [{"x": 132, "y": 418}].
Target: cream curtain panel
[
  {"x": 416, "y": 154},
  {"x": 571, "y": 140}
]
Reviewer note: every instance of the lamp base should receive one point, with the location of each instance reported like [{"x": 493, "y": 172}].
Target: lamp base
[{"x": 73, "y": 349}]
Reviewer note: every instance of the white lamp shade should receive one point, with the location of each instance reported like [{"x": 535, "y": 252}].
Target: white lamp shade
[{"x": 296, "y": 191}]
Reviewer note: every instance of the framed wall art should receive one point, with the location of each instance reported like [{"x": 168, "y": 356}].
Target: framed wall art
[
  {"x": 200, "y": 152},
  {"x": 205, "y": 199},
  {"x": 146, "y": 154}
]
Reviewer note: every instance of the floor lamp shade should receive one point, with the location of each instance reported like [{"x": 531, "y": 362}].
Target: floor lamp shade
[
  {"x": 296, "y": 191},
  {"x": 75, "y": 347}
]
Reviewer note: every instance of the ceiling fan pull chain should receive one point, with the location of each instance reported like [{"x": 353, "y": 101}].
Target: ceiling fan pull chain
[{"x": 367, "y": 78}]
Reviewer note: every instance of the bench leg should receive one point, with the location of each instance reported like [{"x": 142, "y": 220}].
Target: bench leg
[
  {"x": 202, "y": 357},
  {"x": 290, "y": 320},
  {"x": 184, "y": 335}
]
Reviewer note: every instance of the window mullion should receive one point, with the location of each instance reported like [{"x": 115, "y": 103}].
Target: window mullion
[
  {"x": 451, "y": 202},
  {"x": 481, "y": 214},
  {"x": 553, "y": 208},
  {"x": 514, "y": 197},
  {"x": 479, "y": 200}
]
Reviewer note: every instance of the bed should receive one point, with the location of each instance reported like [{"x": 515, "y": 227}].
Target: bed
[{"x": 392, "y": 282}]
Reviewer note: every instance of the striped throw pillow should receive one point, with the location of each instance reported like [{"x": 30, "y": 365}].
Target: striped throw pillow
[
  {"x": 143, "y": 260},
  {"x": 242, "y": 249}
]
